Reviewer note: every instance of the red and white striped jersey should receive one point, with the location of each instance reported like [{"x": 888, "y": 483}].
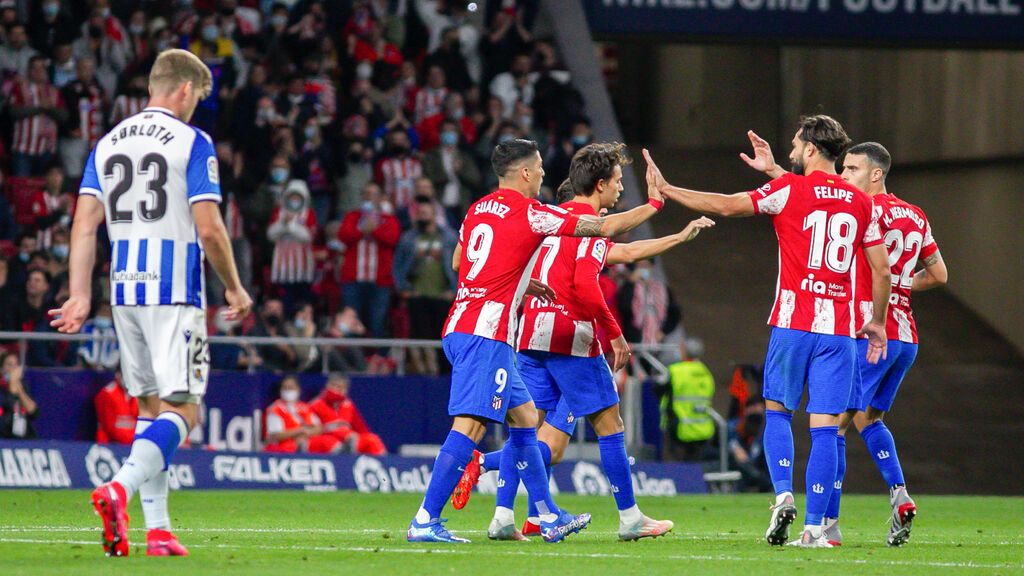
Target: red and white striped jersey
[
  {"x": 398, "y": 178},
  {"x": 36, "y": 134},
  {"x": 125, "y": 106},
  {"x": 821, "y": 222},
  {"x": 499, "y": 240},
  {"x": 908, "y": 238},
  {"x": 568, "y": 324},
  {"x": 293, "y": 247},
  {"x": 86, "y": 102},
  {"x": 429, "y": 102},
  {"x": 369, "y": 255}
]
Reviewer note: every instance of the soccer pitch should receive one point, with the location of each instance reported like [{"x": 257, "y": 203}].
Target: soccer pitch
[{"x": 352, "y": 533}]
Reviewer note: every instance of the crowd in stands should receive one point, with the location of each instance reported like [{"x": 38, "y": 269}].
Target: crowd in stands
[{"x": 351, "y": 135}]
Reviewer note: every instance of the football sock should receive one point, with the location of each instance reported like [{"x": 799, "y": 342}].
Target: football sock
[
  {"x": 153, "y": 492},
  {"x": 545, "y": 453},
  {"x": 832, "y": 511},
  {"x": 152, "y": 451},
  {"x": 532, "y": 471},
  {"x": 883, "y": 450},
  {"x": 455, "y": 453},
  {"x": 778, "y": 449},
  {"x": 491, "y": 460},
  {"x": 616, "y": 467},
  {"x": 508, "y": 478},
  {"x": 821, "y": 473}
]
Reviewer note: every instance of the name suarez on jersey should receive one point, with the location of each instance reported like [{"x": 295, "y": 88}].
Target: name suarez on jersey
[
  {"x": 828, "y": 192},
  {"x": 492, "y": 207},
  {"x": 152, "y": 130}
]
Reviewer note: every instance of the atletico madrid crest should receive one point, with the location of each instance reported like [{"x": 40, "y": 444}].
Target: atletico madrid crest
[{"x": 496, "y": 402}]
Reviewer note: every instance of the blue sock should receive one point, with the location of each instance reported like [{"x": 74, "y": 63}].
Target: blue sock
[
  {"x": 166, "y": 432},
  {"x": 778, "y": 449},
  {"x": 532, "y": 470},
  {"x": 545, "y": 453},
  {"x": 883, "y": 449},
  {"x": 832, "y": 511},
  {"x": 455, "y": 453},
  {"x": 492, "y": 460},
  {"x": 821, "y": 473},
  {"x": 508, "y": 477},
  {"x": 616, "y": 467}
]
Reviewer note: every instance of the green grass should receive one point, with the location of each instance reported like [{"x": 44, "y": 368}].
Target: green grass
[{"x": 351, "y": 533}]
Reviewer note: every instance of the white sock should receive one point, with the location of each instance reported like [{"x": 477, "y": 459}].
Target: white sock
[
  {"x": 145, "y": 461},
  {"x": 782, "y": 497},
  {"x": 153, "y": 494},
  {"x": 422, "y": 516},
  {"x": 814, "y": 530},
  {"x": 533, "y": 520},
  {"x": 504, "y": 515},
  {"x": 630, "y": 515}
]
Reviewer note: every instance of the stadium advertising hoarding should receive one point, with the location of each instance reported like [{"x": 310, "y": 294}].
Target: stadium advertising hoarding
[
  {"x": 83, "y": 465},
  {"x": 945, "y": 22}
]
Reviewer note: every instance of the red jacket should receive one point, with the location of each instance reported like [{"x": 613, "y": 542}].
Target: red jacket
[
  {"x": 116, "y": 413},
  {"x": 341, "y": 419},
  {"x": 290, "y": 423},
  {"x": 368, "y": 257}
]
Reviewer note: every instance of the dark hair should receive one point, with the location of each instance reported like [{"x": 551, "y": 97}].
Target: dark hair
[
  {"x": 826, "y": 133},
  {"x": 35, "y": 59},
  {"x": 596, "y": 162},
  {"x": 564, "y": 192},
  {"x": 508, "y": 154},
  {"x": 46, "y": 275},
  {"x": 876, "y": 153}
]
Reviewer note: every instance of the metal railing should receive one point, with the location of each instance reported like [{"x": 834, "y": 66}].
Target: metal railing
[{"x": 645, "y": 365}]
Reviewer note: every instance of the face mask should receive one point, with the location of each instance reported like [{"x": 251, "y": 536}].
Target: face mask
[
  {"x": 300, "y": 323},
  {"x": 278, "y": 175},
  {"x": 273, "y": 321},
  {"x": 23, "y": 257},
  {"x": 310, "y": 132},
  {"x": 458, "y": 114},
  {"x": 332, "y": 396},
  {"x": 505, "y": 138},
  {"x": 137, "y": 29},
  {"x": 95, "y": 32},
  {"x": 422, "y": 225},
  {"x": 644, "y": 274},
  {"x": 210, "y": 32},
  {"x": 162, "y": 44},
  {"x": 290, "y": 395},
  {"x": 526, "y": 121},
  {"x": 368, "y": 207},
  {"x": 335, "y": 245},
  {"x": 580, "y": 141},
  {"x": 355, "y": 157},
  {"x": 103, "y": 322},
  {"x": 399, "y": 149},
  {"x": 344, "y": 329},
  {"x": 294, "y": 205},
  {"x": 51, "y": 10},
  {"x": 61, "y": 251},
  {"x": 278, "y": 20},
  {"x": 296, "y": 98},
  {"x": 105, "y": 12},
  {"x": 449, "y": 138}
]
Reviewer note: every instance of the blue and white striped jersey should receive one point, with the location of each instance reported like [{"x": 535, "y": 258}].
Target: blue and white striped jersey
[{"x": 148, "y": 171}]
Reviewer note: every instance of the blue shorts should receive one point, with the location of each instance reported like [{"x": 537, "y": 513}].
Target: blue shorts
[
  {"x": 586, "y": 384},
  {"x": 826, "y": 363},
  {"x": 562, "y": 418},
  {"x": 881, "y": 381},
  {"x": 485, "y": 381}
]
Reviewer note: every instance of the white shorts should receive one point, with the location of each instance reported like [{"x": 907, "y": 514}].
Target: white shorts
[{"x": 164, "y": 351}]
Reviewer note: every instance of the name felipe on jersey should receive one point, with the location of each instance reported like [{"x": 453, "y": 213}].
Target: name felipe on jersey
[{"x": 153, "y": 130}]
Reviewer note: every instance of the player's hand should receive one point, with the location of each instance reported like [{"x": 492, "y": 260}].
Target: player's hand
[
  {"x": 877, "y": 341},
  {"x": 621, "y": 352},
  {"x": 68, "y": 319},
  {"x": 654, "y": 177},
  {"x": 763, "y": 160},
  {"x": 694, "y": 228},
  {"x": 239, "y": 304},
  {"x": 540, "y": 290}
]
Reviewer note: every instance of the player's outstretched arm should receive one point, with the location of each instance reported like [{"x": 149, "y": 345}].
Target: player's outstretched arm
[
  {"x": 217, "y": 246},
  {"x": 933, "y": 275},
  {"x": 727, "y": 205},
  {"x": 644, "y": 249},
  {"x": 881, "y": 286},
  {"x": 763, "y": 160},
  {"x": 88, "y": 217}
]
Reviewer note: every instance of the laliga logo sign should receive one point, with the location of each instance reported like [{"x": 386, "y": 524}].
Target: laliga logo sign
[
  {"x": 589, "y": 479},
  {"x": 371, "y": 475},
  {"x": 101, "y": 464}
]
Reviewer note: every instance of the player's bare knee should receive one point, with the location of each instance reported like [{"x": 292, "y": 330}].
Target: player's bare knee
[
  {"x": 607, "y": 421},
  {"x": 524, "y": 416},
  {"x": 470, "y": 426}
]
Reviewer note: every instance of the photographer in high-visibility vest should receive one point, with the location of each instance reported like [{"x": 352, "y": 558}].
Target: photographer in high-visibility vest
[{"x": 685, "y": 422}]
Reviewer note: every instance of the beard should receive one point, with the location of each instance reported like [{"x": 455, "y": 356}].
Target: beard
[{"x": 797, "y": 168}]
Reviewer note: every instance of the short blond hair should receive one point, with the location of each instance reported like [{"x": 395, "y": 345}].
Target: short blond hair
[{"x": 174, "y": 67}]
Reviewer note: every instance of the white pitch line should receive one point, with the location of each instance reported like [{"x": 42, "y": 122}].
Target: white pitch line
[{"x": 554, "y": 553}]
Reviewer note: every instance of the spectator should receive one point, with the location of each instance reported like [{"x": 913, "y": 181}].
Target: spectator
[
  {"x": 17, "y": 408},
  {"x": 232, "y": 186},
  {"x": 19, "y": 265},
  {"x": 51, "y": 27},
  {"x": 263, "y": 205},
  {"x": 449, "y": 58},
  {"x": 342, "y": 420},
  {"x": 116, "y": 413},
  {"x": 86, "y": 104},
  {"x": 52, "y": 208},
  {"x": 231, "y": 356},
  {"x": 102, "y": 353},
  {"x": 397, "y": 172},
  {"x": 370, "y": 235},
  {"x": 16, "y": 54},
  {"x": 107, "y": 50},
  {"x": 132, "y": 100},
  {"x": 358, "y": 173},
  {"x": 685, "y": 400},
  {"x": 648, "y": 309},
  {"x": 345, "y": 324},
  {"x": 452, "y": 171},
  {"x": 31, "y": 310},
  {"x": 293, "y": 427},
  {"x": 508, "y": 33},
  {"x": 559, "y": 155},
  {"x": 8, "y": 227},
  {"x": 62, "y": 66},
  {"x": 303, "y": 325},
  {"x": 430, "y": 99},
  {"x": 7, "y": 294},
  {"x": 292, "y": 229},
  {"x": 746, "y": 447},
  {"x": 425, "y": 279},
  {"x": 315, "y": 167},
  {"x": 37, "y": 109},
  {"x": 516, "y": 85},
  {"x": 452, "y": 18},
  {"x": 271, "y": 323}
]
